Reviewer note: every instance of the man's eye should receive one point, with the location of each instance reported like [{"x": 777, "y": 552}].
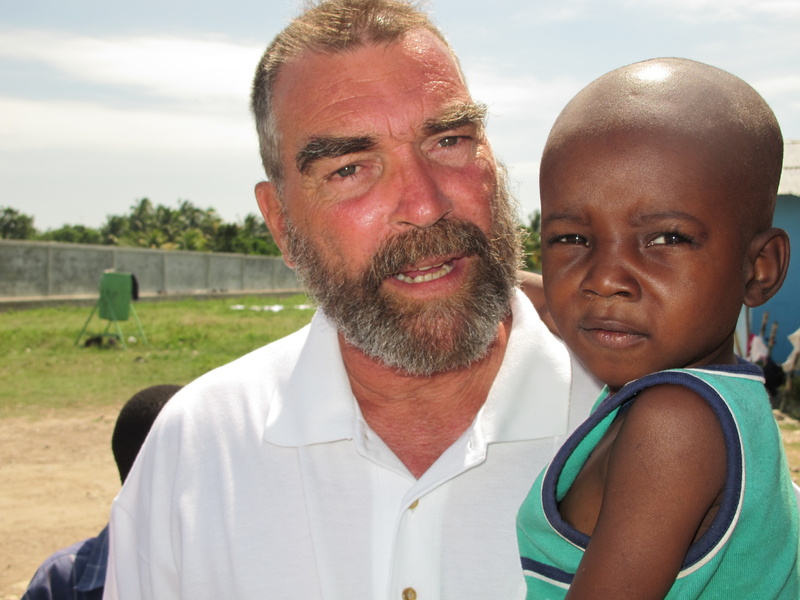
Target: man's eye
[
  {"x": 448, "y": 141},
  {"x": 669, "y": 239},
  {"x": 346, "y": 171}
]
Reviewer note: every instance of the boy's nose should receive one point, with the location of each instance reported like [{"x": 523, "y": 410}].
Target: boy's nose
[{"x": 610, "y": 275}]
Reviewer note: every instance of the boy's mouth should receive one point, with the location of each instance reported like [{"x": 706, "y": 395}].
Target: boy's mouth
[{"x": 612, "y": 333}]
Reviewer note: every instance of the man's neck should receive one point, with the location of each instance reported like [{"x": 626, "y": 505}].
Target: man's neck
[{"x": 418, "y": 418}]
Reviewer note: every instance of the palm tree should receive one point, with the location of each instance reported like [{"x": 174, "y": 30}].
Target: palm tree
[
  {"x": 533, "y": 243},
  {"x": 15, "y": 225},
  {"x": 143, "y": 217}
]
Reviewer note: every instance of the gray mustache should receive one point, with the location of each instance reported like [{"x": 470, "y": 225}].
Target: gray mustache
[{"x": 446, "y": 237}]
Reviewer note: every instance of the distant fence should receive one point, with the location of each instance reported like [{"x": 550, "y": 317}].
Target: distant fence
[{"x": 50, "y": 269}]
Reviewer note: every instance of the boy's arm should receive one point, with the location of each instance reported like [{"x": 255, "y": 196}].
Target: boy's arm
[
  {"x": 531, "y": 285},
  {"x": 666, "y": 469}
]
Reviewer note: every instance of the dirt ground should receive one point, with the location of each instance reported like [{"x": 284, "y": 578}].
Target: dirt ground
[{"x": 57, "y": 481}]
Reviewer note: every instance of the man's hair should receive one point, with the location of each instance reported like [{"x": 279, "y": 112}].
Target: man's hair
[
  {"x": 329, "y": 27},
  {"x": 134, "y": 422}
]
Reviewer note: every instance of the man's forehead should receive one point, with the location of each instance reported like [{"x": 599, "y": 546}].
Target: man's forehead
[
  {"x": 417, "y": 52},
  {"x": 371, "y": 90}
]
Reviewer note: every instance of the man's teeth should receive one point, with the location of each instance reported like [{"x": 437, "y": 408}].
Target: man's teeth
[{"x": 441, "y": 271}]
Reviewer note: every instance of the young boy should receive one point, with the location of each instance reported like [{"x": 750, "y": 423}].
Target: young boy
[{"x": 658, "y": 184}]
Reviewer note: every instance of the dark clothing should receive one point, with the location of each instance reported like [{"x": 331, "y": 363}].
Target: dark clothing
[{"x": 74, "y": 573}]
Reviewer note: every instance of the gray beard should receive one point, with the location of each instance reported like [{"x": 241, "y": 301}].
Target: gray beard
[{"x": 419, "y": 337}]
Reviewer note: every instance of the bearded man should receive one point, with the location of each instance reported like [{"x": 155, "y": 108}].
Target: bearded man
[{"x": 382, "y": 451}]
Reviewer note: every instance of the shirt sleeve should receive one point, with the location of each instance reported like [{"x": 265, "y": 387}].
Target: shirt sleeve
[{"x": 55, "y": 578}]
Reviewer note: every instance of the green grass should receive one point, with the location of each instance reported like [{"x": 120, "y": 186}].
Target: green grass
[{"x": 41, "y": 368}]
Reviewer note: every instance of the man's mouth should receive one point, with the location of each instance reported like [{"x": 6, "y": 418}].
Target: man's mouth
[{"x": 425, "y": 274}]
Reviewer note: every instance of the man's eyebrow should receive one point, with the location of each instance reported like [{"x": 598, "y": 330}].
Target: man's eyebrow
[
  {"x": 318, "y": 148},
  {"x": 458, "y": 115}
]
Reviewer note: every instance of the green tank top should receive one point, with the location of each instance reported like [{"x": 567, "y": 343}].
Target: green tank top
[{"x": 750, "y": 551}]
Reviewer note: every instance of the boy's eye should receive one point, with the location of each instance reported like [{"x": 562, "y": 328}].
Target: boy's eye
[
  {"x": 669, "y": 239},
  {"x": 572, "y": 238}
]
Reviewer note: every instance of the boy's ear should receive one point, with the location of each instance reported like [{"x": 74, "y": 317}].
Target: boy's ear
[
  {"x": 769, "y": 262},
  {"x": 272, "y": 210}
]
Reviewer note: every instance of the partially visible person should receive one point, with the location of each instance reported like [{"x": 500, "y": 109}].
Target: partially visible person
[
  {"x": 382, "y": 451},
  {"x": 79, "y": 571},
  {"x": 658, "y": 186}
]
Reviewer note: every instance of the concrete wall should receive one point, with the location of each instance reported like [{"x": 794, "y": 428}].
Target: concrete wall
[{"x": 47, "y": 269}]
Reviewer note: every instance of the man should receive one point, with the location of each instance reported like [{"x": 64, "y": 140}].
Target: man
[
  {"x": 79, "y": 571},
  {"x": 383, "y": 451}
]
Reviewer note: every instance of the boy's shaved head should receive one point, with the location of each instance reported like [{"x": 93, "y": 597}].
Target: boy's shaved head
[{"x": 694, "y": 104}]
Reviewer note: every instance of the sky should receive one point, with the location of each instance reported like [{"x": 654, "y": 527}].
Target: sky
[{"x": 103, "y": 103}]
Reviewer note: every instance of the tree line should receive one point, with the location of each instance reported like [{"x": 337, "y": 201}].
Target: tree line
[
  {"x": 186, "y": 227},
  {"x": 148, "y": 225}
]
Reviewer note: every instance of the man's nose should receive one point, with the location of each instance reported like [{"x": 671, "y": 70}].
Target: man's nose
[{"x": 419, "y": 198}]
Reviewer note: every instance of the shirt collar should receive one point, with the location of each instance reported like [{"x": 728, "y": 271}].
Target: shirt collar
[
  {"x": 314, "y": 403},
  {"x": 530, "y": 397}
]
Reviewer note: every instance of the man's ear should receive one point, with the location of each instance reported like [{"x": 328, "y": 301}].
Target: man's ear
[
  {"x": 272, "y": 210},
  {"x": 769, "y": 261}
]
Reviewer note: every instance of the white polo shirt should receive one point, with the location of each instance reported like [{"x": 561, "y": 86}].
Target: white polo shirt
[{"x": 262, "y": 480}]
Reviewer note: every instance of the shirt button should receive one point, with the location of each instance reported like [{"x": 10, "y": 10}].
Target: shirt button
[
  {"x": 414, "y": 504},
  {"x": 409, "y": 594}
]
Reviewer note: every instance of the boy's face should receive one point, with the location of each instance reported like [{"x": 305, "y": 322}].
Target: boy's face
[{"x": 643, "y": 254}]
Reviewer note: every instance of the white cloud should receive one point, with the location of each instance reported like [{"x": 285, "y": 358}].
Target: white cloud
[
  {"x": 723, "y": 10},
  {"x": 200, "y": 69},
  {"x": 520, "y": 95},
  {"x": 778, "y": 85},
  {"x": 690, "y": 10},
  {"x": 205, "y": 84},
  {"x": 65, "y": 125},
  {"x": 541, "y": 13}
]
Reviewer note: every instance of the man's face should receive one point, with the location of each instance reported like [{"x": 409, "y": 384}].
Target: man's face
[
  {"x": 389, "y": 198},
  {"x": 643, "y": 254}
]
